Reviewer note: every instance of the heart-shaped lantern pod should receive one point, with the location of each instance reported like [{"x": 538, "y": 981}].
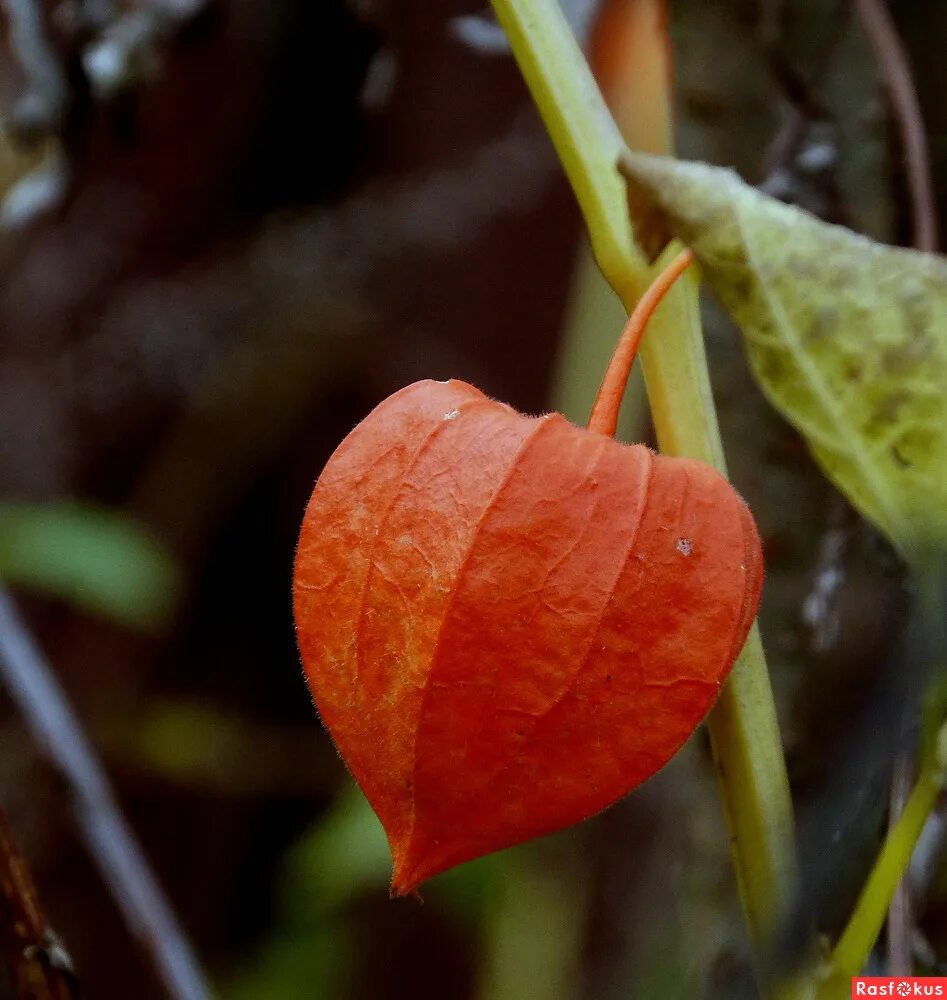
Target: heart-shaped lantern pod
[{"x": 508, "y": 622}]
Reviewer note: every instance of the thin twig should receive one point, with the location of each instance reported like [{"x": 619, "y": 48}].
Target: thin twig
[
  {"x": 800, "y": 161},
  {"x": 900, "y": 915},
  {"x": 892, "y": 60},
  {"x": 40, "y": 967},
  {"x": 45, "y": 102},
  {"x": 896, "y": 71},
  {"x": 110, "y": 841},
  {"x": 125, "y": 46},
  {"x": 861, "y": 932}
]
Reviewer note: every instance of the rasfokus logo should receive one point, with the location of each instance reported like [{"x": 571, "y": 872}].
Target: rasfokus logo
[{"x": 911, "y": 986}]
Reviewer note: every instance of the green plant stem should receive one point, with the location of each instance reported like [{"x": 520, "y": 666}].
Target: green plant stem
[
  {"x": 743, "y": 727},
  {"x": 853, "y": 948},
  {"x": 855, "y": 944},
  {"x": 744, "y": 730},
  {"x": 585, "y": 135}
]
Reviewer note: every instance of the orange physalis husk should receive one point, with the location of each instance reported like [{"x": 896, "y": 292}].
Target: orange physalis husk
[{"x": 509, "y": 622}]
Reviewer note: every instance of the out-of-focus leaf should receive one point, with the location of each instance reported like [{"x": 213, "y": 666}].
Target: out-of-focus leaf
[
  {"x": 205, "y": 747},
  {"x": 524, "y": 912},
  {"x": 532, "y": 930},
  {"x": 98, "y": 559},
  {"x": 300, "y": 962},
  {"x": 847, "y": 337},
  {"x": 313, "y": 949},
  {"x": 470, "y": 891},
  {"x": 345, "y": 855}
]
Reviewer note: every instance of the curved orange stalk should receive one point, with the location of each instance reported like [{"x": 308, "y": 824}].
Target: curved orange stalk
[{"x": 604, "y": 416}]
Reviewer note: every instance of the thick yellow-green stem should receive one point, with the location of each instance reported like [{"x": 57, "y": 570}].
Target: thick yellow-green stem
[
  {"x": 743, "y": 727},
  {"x": 585, "y": 135}
]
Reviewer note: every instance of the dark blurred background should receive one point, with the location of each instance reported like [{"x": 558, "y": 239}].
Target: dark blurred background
[{"x": 229, "y": 228}]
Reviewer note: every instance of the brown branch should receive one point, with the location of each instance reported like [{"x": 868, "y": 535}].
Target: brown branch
[
  {"x": 895, "y": 69},
  {"x": 111, "y": 842},
  {"x": 40, "y": 967}
]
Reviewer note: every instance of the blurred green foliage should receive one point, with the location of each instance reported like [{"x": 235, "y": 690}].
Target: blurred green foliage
[
  {"x": 99, "y": 560},
  {"x": 521, "y": 908}
]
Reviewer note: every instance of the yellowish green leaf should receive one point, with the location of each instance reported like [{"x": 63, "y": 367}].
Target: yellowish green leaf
[{"x": 847, "y": 337}]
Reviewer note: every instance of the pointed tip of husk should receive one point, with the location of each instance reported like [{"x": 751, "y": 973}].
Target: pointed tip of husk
[{"x": 404, "y": 882}]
